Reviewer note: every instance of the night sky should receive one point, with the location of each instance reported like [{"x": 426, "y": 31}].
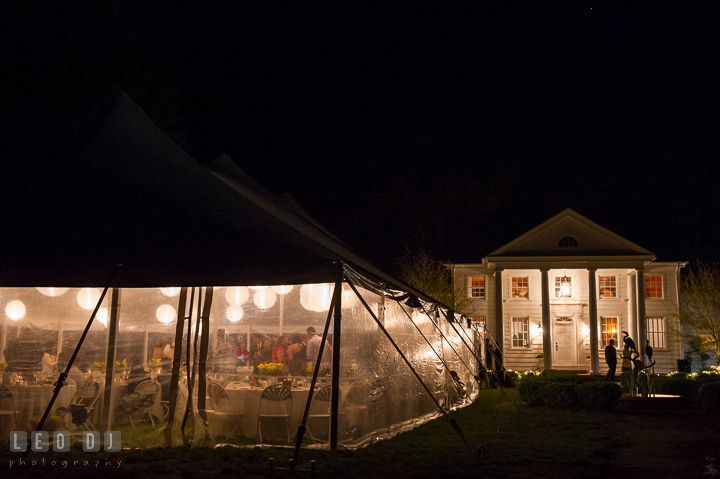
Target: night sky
[{"x": 451, "y": 127}]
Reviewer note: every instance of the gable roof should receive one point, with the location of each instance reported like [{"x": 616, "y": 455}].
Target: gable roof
[{"x": 593, "y": 242}]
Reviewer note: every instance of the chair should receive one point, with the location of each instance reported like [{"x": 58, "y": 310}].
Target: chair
[
  {"x": 82, "y": 404},
  {"x": 146, "y": 393},
  {"x": 7, "y": 404},
  {"x": 275, "y": 402},
  {"x": 223, "y": 406},
  {"x": 319, "y": 409}
]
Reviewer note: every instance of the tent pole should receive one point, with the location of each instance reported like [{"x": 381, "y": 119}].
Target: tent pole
[
  {"x": 145, "y": 358},
  {"x": 3, "y": 344},
  {"x": 108, "y": 412},
  {"x": 335, "y": 381},
  {"x": 177, "y": 359}
]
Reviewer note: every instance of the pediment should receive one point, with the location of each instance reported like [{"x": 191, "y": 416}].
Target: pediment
[{"x": 555, "y": 238}]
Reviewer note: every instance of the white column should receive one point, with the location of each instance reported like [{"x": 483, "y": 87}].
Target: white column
[
  {"x": 632, "y": 320},
  {"x": 593, "y": 322},
  {"x": 499, "y": 309},
  {"x": 641, "y": 318},
  {"x": 547, "y": 333}
]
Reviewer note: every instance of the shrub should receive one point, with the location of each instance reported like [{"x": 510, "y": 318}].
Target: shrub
[
  {"x": 709, "y": 394},
  {"x": 598, "y": 395},
  {"x": 675, "y": 385},
  {"x": 529, "y": 389},
  {"x": 559, "y": 393}
]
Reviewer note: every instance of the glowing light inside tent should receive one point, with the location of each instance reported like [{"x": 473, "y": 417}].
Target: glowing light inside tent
[
  {"x": 282, "y": 289},
  {"x": 87, "y": 298},
  {"x": 174, "y": 291},
  {"x": 234, "y": 314},
  {"x": 237, "y": 295},
  {"x": 102, "y": 316},
  {"x": 257, "y": 288},
  {"x": 15, "y": 310},
  {"x": 316, "y": 297},
  {"x": 52, "y": 291},
  {"x": 265, "y": 298},
  {"x": 165, "y": 314}
]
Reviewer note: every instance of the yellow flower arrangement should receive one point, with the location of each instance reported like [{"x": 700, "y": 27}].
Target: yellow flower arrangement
[
  {"x": 3, "y": 365},
  {"x": 271, "y": 369},
  {"x": 119, "y": 364},
  {"x": 97, "y": 366}
]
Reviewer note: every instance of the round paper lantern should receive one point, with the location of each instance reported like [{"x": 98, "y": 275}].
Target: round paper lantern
[
  {"x": 282, "y": 289},
  {"x": 52, "y": 291},
  {"x": 257, "y": 288},
  {"x": 102, "y": 316},
  {"x": 237, "y": 295},
  {"x": 316, "y": 297},
  {"x": 174, "y": 291},
  {"x": 87, "y": 298},
  {"x": 265, "y": 298},
  {"x": 165, "y": 314},
  {"x": 234, "y": 314},
  {"x": 15, "y": 310}
]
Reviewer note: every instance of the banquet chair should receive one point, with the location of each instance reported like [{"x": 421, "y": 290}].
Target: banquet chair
[
  {"x": 82, "y": 404},
  {"x": 7, "y": 404},
  {"x": 275, "y": 402},
  {"x": 320, "y": 410},
  {"x": 223, "y": 407},
  {"x": 147, "y": 392}
]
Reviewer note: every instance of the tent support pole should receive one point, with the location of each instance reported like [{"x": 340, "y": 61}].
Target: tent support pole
[
  {"x": 177, "y": 358},
  {"x": 303, "y": 425},
  {"x": 108, "y": 413},
  {"x": 335, "y": 381}
]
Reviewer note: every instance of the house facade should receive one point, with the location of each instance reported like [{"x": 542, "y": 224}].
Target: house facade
[{"x": 564, "y": 289}]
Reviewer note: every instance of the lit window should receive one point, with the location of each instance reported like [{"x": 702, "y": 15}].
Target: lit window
[
  {"x": 476, "y": 287},
  {"x": 653, "y": 287},
  {"x": 608, "y": 288},
  {"x": 520, "y": 332},
  {"x": 609, "y": 327},
  {"x": 520, "y": 287},
  {"x": 563, "y": 287},
  {"x": 656, "y": 331},
  {"x": 568, "y": 242},
  {"x": 480, "y": 320}
]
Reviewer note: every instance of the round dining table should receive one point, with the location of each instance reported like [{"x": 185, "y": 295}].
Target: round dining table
[{"x": 31, "y": 402}]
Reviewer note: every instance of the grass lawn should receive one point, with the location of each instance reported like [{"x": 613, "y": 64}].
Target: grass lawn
[{"x": 518, "y": 442}]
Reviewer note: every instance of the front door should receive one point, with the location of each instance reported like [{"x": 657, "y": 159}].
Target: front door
[{"x": 564, "y": 342}]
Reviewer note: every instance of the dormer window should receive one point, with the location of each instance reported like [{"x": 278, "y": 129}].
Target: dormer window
[{"x": 568, "y": 242}]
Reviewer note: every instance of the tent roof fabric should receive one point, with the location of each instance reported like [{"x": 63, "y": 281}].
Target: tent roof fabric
[{"x": 135, "y": 198}]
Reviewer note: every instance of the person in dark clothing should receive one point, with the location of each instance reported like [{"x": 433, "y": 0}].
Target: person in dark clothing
[{"x": 611, "y": 360}]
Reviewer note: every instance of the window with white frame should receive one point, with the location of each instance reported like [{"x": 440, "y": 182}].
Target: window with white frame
[
  {"x": 519, "y": 287},
  {"x": 480, "y": 320},
  {"x": 563, "y": 286},
  {"x": 656, "y": 331},
  {"x": 519, "y": 331},
  {"x": 476, "y": 287},
  {"x": 607, "y": 285},
  {"x": 609, "y": 328},
  {"x": 653, "y": 286}
]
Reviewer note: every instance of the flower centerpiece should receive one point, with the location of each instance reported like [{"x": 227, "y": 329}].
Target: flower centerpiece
[
  {"x": 271, "y": 369},
  {"x": 3, "y": 366},
  {"x": 97, "y": 366}
]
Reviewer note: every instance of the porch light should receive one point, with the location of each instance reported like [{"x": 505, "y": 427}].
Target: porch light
[
  {"x": 565, "y": 287},
  {"x": 15, "y": 310}
]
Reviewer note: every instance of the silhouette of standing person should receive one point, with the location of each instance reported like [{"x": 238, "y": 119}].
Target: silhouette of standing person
[{"x": 611, "y": 360}]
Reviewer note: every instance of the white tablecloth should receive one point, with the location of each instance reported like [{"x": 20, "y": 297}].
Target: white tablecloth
[{"x": 32, "y": 401}]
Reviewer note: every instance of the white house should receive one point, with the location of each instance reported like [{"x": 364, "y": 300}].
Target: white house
[{"x": 565, "y": 288}]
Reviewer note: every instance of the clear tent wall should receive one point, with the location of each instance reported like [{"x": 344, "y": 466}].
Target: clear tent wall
[{"x": 123, "y": 381}]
